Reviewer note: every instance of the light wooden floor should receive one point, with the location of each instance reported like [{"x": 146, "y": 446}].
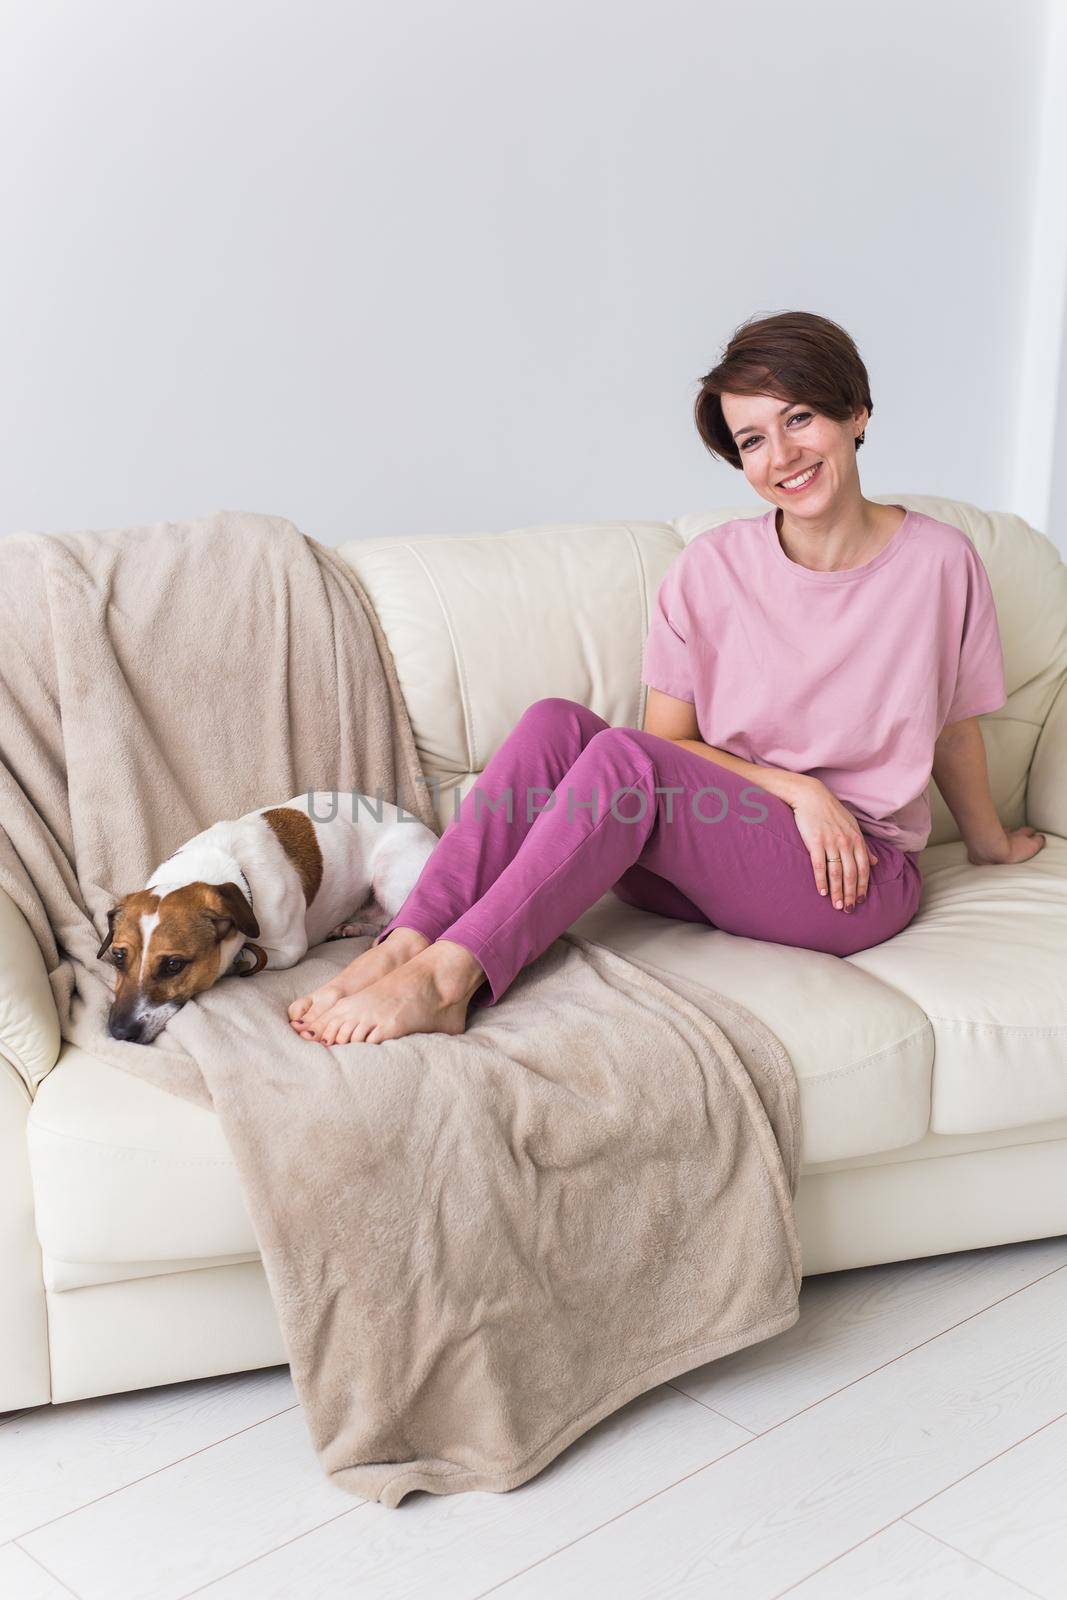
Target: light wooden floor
[{"x": 907, "y": 1438}]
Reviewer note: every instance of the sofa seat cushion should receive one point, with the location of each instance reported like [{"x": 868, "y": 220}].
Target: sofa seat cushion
[
  {"x": 862, "y": 1051},
  {"x": 986, "y": 959},
  {"x": 123, "y": 1172},
  {"x": 126, "y": 1173}
]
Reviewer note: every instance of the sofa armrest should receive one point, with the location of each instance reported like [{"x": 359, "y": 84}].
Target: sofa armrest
[{"x": 29, "y": 1021}]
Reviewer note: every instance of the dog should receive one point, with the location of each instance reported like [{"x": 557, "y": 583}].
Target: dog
[{"x": 274, "y": 881}]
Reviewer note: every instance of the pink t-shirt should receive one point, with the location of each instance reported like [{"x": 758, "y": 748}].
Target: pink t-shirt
[{"x": 848, "y": 675}]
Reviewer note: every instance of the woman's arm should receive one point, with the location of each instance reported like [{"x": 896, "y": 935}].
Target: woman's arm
[
  {"x": 961, "y": 774},
  {"x": 676, "y": 720},
  {"x": 841, "y": 858}
]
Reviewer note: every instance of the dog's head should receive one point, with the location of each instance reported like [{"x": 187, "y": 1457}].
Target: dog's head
[{"x": 168, "y": 948}]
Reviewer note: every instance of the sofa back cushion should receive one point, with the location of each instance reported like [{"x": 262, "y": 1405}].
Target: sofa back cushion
[{"x": 482, "y": 625}]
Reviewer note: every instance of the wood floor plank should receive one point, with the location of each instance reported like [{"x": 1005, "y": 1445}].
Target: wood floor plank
[
  {"x": 1012, "y": 1513},
  {"x": 54, "y": 1459},
  {"x": 22, "y": 1579},
  {"x": 451, "y": 1547},
  {"x": 179, "y": 1528},
  {"x": 795, "y": 1498},
  {"x": 852, "y": 1322},
  {"x": 212, "y": 1487},
  {"x": 903, "y": 1564}
]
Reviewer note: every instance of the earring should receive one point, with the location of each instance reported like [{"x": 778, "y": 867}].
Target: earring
[{"x": 861, "y": 436}]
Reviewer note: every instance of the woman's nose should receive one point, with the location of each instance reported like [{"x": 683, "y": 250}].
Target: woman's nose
[{"x": 783, "y": 457}]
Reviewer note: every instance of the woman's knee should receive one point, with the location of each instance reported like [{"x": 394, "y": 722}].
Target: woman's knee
[
  {"x": 556, "y": 713},
  {"x": 630, "y": 745}
]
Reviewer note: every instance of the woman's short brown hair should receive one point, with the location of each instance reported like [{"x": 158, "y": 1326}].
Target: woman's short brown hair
[{"x": 795, "y": 355}]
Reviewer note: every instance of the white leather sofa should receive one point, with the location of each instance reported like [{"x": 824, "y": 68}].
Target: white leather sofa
[{"x": 933, "y": 1067}]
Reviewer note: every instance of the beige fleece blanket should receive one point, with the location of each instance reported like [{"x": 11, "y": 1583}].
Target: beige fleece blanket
[{"x": 477, "y": 1245}]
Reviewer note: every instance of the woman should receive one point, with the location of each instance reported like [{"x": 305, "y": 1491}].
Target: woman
[{"x": 833, "y": 652}]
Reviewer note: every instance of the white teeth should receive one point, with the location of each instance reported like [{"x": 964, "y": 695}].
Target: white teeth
[{"x": 794, "y": 483}]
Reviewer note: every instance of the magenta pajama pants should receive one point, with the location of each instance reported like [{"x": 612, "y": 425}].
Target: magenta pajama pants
[{"x": 594, "y": 808}]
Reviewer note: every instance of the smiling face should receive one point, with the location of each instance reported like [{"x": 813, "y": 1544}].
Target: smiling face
[
  {"x": 780, "y": 443},
  {"x": 167, "y": 949}
]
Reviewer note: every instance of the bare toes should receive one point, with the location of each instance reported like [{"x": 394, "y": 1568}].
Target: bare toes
[{"x": 316, "y": 1017}]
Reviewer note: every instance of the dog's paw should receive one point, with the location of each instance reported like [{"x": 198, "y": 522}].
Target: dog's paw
[{"x": 356, "y": 930}]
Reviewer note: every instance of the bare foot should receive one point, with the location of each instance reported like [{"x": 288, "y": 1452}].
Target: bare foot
[
  {"x": 428, "y": 994},
  {"x": 370, "y": 965}
]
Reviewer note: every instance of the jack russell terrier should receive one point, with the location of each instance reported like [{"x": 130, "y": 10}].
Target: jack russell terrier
[{"x": 277, "y": 876}]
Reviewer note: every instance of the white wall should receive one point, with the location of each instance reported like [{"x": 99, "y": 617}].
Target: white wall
[
  {"x": 1039, "y": 485},
  {"x": 401, "y": 267}
]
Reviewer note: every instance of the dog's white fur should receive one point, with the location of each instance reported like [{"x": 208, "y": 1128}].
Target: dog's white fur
[
  {"x": 322, "y": 865},
  {"x": 379, "y": 859}
]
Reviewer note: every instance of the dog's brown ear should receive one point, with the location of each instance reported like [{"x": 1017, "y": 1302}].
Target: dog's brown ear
[
  {"x": 112, "y": 914},
  {"x": 237, "y": 913}
]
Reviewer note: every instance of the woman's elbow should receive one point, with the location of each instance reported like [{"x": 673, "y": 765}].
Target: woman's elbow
[{"x": 668, "y": 717}]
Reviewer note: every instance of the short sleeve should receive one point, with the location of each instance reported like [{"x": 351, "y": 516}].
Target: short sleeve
[
  {"x": 667, "y": 659},
  {"x": 979, "y": 664}
]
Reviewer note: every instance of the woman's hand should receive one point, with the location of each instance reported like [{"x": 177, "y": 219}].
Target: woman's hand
[
  {"x": 839, "y": 852},
  {"x": 1019, "y": 845}
]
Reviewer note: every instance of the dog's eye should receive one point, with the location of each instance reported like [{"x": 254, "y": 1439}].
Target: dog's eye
[
  {"x": 171, "y": 965},
  {"x": 119, "y": 957}
]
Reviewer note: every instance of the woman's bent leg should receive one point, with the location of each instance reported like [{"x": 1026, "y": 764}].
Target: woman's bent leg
[
  {"x": 645, "y": 889},
  {"x": 731, "y": 848},
  {"x": 497, "y": 814}
]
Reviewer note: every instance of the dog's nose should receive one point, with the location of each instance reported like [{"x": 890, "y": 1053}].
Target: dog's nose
[{"x": 130, "y": 1031}]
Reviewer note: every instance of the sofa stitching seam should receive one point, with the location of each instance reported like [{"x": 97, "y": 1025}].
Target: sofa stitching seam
[
  {"x": 1005, "y": 1027},
  {"x": 864, "y": 1165},
  {"x": 465, "y": 699},
  {"x": 639, "y": 564},
  {"x": 19, "y": 1066},
  {"x": 736, "y": 1005},
  {"x": 866, "y": 1061},
  {"x": 130, "y": 1155}
]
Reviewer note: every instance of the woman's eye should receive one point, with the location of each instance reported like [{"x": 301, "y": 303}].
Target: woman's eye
[{"x": 754, "y": 438}]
